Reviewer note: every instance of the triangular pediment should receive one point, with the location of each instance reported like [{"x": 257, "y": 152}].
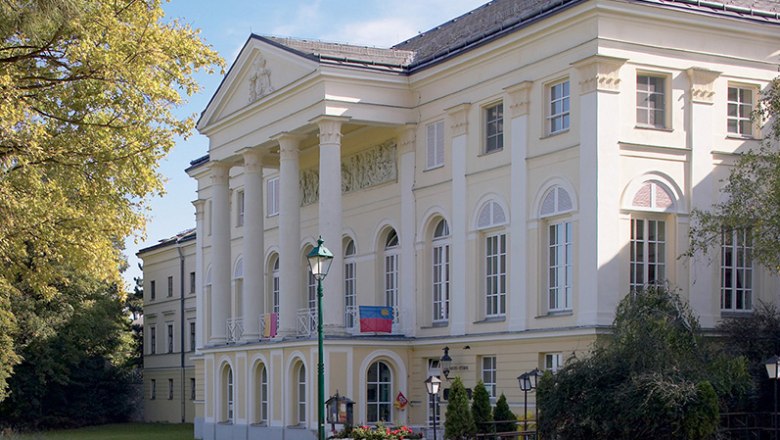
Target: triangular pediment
[{"x": 261, "y": 70}]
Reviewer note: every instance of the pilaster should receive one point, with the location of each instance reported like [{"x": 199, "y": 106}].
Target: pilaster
[
  {"x": 220, "y": 237},
  {"x": 458, "y": 121},
  {"x": 200, "y": 318},
  {"x": 254, "y": 245},
  {"x": 407, "y": 145}
]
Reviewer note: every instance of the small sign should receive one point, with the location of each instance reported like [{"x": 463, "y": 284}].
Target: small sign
[{"x": 400, "y": 401}]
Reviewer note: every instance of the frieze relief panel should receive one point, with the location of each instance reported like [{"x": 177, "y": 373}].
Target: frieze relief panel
[{"x": 371, "y": 167}]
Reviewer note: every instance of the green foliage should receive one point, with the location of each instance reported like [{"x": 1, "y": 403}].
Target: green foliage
[
  {"x": 459, "y": 423},
  {"x": 87, "y": 92},
  {"x": 753, "y": 194},
  {"x": 656, "y": 379},
  {"x": 481, "y": 410},
  {"x": 502, "y": 413}
]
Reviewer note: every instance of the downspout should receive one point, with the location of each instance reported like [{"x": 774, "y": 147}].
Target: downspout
[{"x": 181, "y": 328}]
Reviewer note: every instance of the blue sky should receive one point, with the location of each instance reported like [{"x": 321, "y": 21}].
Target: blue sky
[{"x": 226, "y": 24}]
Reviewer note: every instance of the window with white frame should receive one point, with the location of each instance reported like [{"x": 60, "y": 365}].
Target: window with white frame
[
  {"x": 152, "y": 340},
  {"x": 240, "y": 208},
  {"x": 192, "y": 282},
  {"x": 489, "y": 374},
  {"x": 350, "y": 284},
  {"x": 560, "y": 249},
  {"x": 492, "y": 216},
  {"x": 272, "y": 197},
  {"x": 650, "y": 101},
  {"x": 392, "y": 253},
  {"x": 494, "y": 127},
  {"x": 238, "y": 287},
  {"x": 435, "y": 145},
  {"x": 736, "y": 270},
  {"x": 740, "y": 111},
  {"x": 228, "y": 396},
  {"x": 192, "y": 336},
  {"x": 647, "y": 252},
  {"x": 262, "y": 394},
  {"x": 275, "y": 286},
  {"x": 311, "y": 289},
  {"x": 170, "y": 287},
  {"x": 170, "y": 338},
  {"x": 558, "y": 116},
  {"x": 441, "y": 271},
  {"x": 301, "y": 383},
  {"x": 553, "y": 361},
  {"x": 152, "y": 290},
  {"x": 379, "y": 388}
]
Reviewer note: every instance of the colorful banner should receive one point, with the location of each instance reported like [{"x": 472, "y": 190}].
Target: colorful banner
[
  {"x": 376, "y": 319},
  {"x": 400, "y": 401},
  {"x": 270, "y": 325}
]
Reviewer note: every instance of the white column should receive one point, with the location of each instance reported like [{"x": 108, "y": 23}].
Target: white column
[
  {"x": 702, "y": 190},
  {"x": 254, "y": 245},
  {"x": 408, "y": 231},
  {"x": 458, "y": 120},
  {"x": 599, "y": 259},
  {"x": 290, "y": 271},
  {"x": 200, "y": 207},
  {"x": 519, "y": 301},
  {"x": 220, "y": 237},
  {"x": 330, "y": 221}
]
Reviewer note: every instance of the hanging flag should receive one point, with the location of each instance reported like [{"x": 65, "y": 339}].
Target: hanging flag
[
  {"x": 270, "y": 325},
  {"x": 400, "y": 401},
  {"x": 376, "y": 319}
]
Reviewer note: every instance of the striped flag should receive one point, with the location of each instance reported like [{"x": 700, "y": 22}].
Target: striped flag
[{"x": 376, "y": 319}]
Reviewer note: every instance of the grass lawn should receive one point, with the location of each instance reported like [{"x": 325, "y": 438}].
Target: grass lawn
[{"x": 124, "y": 431}]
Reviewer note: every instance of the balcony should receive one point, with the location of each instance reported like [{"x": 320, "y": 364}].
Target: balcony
[{"x": 235, "y": 330}]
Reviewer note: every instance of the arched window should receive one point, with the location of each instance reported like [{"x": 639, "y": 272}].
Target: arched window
[
  {"x": 261, "y": 382},
  {"x": 391, "y": 265},
  {"x": 379, "y": 386},
  {"x": 649, "y": 235},
  {"x": 492, "y": 216},
  {"x": 301, "y": 391},
  {"x": 559, "y": 246},
  {"x": 441, "y": 271},
  {"x": 350, "y": 284},
  {"x": 275, "y": 286},
  {"x": 207, "y": 329},
  {"x": 235, "y": 325},
  {"x": 227, "y": 409}
]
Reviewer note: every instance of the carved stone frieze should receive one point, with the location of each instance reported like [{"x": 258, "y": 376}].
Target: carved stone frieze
[
  {"x": 370, "y": 167},
  {"x": 259, "y": 79},
  {"x": 702, "y": 84}
]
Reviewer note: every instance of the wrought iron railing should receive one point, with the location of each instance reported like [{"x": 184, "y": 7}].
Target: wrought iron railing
[
  {"x": 235, "y": 329},
  {"x": 307, "y": 322}
]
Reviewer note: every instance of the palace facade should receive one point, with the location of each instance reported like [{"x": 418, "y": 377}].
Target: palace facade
[{"x": 499, "y": 182}]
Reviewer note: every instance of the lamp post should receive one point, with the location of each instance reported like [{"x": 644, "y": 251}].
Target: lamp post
[
  {"x": 527, "y": 383},
  {"x": 445, "y": 363},
  {"x": 773, "y": 371},
  {"x": 320, "y": 259},
  {"x": 432, "y": 384}
]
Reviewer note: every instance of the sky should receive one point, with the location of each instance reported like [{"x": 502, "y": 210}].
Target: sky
[{"x": 225, "y": 25}]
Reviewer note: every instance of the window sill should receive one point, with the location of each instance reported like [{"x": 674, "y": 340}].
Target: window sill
[
  {"x": 259, "y": 425},
  {"x": 488, "y": 153},
  {"x": 491, "y": 319},
  {"x": 653, "y": 128},
  {"x": 741, "y": 137},
  {"x": 549, "y": 135},
  {"x": 227, "y": 422},
  {"x": 556, "y": 314},
  {"x": 435, "y": 167},
  {"x": 298, "y": 426},
  {"x": 736, "y": 313}
]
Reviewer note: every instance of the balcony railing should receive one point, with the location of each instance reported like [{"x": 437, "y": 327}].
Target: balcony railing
[
  {"x": 307, "y": 322},
  {"x": 235, "y": 329}
]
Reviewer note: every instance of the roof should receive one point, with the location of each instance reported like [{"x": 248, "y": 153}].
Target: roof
[
  {"x": 183, "y": 236},
  {"x": 321, "y": 50}
]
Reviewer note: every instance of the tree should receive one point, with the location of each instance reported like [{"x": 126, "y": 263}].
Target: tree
[
  {"x": 505, "y": 418},
  {"x": 481, "y": 410},
  {"x": 655, "y": 378},
  {"x": 752, "y": 194},
  {"x": 87, "y": 90},
  {"x": 459, "y": 423}
]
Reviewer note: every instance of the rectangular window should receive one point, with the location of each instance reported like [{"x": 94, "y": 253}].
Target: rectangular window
[
  {"x": 272, "y": 197},
  {"x": 558, "y": 116},
  {"x": 560, "y": 274},
  {"x": 495, "y": 275},
  {"x": 553, "y": 361},
  {"x": 240, "y": 208},
  {"x": 736, "y": 270},
  {"x": 170, "y": 287},
  {"x": 740, "y": 109},
  {"x": 152, "y": 290},
  {"x": 350, "y": 292},
  {"x": 193, "y": 393},
  {"x": 152, "y": 340},
  {"x": 489, "y": 374},
  {"x": 154, "y": 389},
  {"x": 170, "y": 389},
  {"x": 494, "y": 128},
  {"x": 435, "y": 146},
  {"x": 192, "y": 282},
  {"x": 650, "y": 101},
  {"x": 391, "y": 279},
  {"x": 648, "y": 253},
  {"x": 441, "y": 282},
  {"x": 170, "y": 338},
  {"x": 192, "y": 336}
]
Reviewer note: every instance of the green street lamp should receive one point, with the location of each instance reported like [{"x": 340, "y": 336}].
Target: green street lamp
[
  {"x": 773, "y": 371},
  {"x": 320, "y": 259}
]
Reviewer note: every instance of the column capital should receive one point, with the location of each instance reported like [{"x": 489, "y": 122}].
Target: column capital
[
  {"x": 200, "y": 207},
  {"x": 519, "y": 98},
  {"x": 288, "y": 145},
  {"x": 253, "y": 160},
  {"x": 330, "y": 129},
  {"x": 219, "y": 172},
  {"x": 407, "y": 137},
  {"x": 599, "y": 73},
  {"x": 702, "y": 84},
  {"x": 459, "y": 118}
]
